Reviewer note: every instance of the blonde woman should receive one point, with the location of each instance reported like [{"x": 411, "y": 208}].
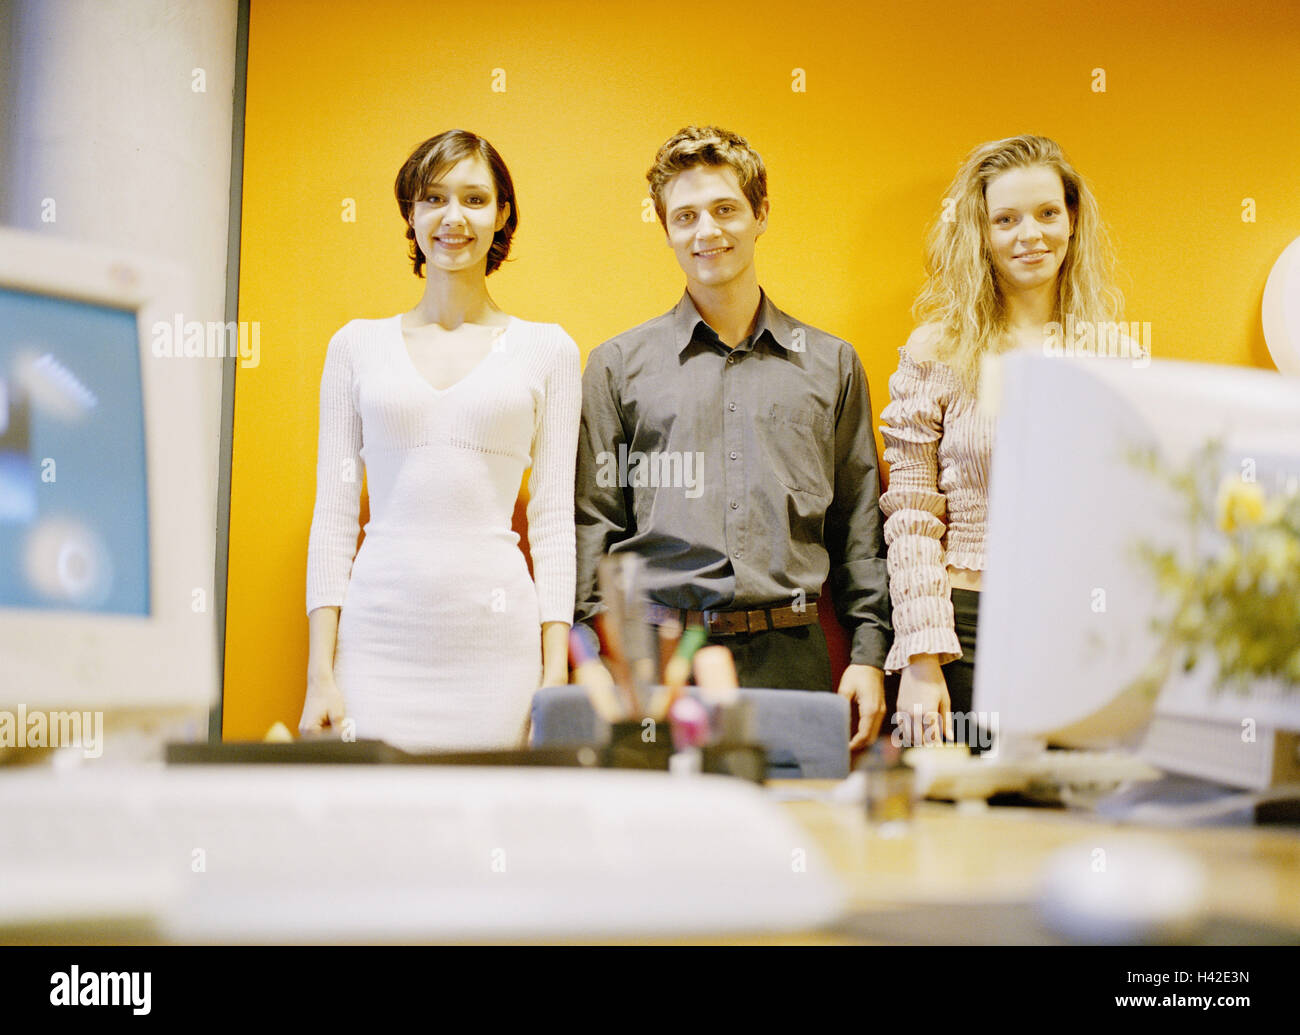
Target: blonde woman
[{"x": 1019, "y": 247}]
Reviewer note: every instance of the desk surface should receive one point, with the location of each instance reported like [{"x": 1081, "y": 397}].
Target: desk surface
[
  {"x": 997, "y": 856},
  {"x": 958, "y": 877}
]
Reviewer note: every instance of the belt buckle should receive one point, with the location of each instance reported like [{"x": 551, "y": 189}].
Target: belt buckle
[{"x": 713, "y": 622}]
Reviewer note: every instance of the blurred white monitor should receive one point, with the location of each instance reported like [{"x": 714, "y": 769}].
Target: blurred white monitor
[
  {"x": 1066, "y": 608},
  {"x": 106, "y": 538}
]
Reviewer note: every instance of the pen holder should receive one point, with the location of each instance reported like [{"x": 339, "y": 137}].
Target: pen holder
[
  {"x": 746, "y": 761},
  {"x": 733, "y": 748},
  {"x": 638, "y": 744},
  {"x": 734, "y": 723}
]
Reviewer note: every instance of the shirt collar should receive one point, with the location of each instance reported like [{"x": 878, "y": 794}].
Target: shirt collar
[{"x": 771, "y": 322}]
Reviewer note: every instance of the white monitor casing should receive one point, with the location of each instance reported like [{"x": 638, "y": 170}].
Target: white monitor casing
[
  {"x": 1066, "y": 606},
  {"x": 164, "y": 662}
]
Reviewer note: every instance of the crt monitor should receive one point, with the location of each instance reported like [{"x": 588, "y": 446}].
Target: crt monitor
[
  {"x": 1065, "y": 613},
  {"x": 106, "y": 507}
]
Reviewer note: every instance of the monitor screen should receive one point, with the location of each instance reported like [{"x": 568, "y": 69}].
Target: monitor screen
[{"x": 74, "y": 528}]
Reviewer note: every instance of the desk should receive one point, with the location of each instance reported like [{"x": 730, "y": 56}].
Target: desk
[
  {"x": 970, "y": 878},
  {"x": 957, "y": 877},
  {"x": 996, "y": 856}
]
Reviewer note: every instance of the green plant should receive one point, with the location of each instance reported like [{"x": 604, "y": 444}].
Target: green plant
[{"x": 1236, "y": 594}]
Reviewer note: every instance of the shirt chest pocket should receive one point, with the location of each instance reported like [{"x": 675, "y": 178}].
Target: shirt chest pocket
[{"x": 798, "y": 444}]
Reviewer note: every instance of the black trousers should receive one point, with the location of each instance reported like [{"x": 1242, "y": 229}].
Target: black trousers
[
  {"x": 781, "y": 659},
  {"x": 959, "y": 675}
]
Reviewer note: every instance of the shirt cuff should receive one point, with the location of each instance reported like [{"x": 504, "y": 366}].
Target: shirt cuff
[
  {"x": 940, "y": 642},
  {"x": 869, "y": 646}
]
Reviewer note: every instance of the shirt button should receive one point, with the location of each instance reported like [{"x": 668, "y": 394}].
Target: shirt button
[
  {"x": 731, "y": 406},
  {"x": 734, "y": 505},
  {"x": 734, "y": 454},
  {"x": 731, "y": 359}
]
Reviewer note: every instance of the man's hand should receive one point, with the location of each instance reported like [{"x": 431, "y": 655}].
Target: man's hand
[{"x": 866, "y": 686}]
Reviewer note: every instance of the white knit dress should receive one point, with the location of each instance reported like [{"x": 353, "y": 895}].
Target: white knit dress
[{"x": 439, "y": 639}]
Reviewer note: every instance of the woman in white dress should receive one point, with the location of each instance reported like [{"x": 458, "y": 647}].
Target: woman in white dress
[{"x": 432, "y": 635}]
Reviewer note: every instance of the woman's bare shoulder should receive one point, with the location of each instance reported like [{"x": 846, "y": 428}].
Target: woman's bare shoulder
[{"x": 923, "y": 343}]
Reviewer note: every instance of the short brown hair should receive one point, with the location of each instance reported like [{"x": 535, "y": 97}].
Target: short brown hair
[
  {"x": 434, "y": 157},
  {"x": 707, "y": 145}
]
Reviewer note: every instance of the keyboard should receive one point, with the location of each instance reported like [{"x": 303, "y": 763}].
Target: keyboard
[
  {"x": 283, "y": 854},
  {"x": 1074, "y": 776}
]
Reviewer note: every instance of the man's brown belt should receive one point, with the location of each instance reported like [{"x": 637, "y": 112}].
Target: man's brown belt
[{"x": 724, "y": 623}]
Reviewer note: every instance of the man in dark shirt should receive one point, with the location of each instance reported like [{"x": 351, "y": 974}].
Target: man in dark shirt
[{"x": 731, "y": 447}]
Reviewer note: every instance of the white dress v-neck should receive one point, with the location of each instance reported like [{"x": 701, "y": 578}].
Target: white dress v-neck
[
  {"x": 498, "y": 343},
  {"x": 439, "y": 643}
]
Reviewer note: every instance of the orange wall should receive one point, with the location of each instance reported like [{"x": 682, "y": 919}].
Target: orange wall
[{"x": 1199, "y": 112}]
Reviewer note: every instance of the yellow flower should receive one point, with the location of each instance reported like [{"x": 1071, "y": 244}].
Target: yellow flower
[
  {"x": 1274, "y": 512},
  {"x": 1240, "y": 504},
  {"x": 1280, "y": 553}
]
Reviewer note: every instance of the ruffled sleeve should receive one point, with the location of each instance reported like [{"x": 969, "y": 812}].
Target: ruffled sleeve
[{"x": 915, "y": 512}]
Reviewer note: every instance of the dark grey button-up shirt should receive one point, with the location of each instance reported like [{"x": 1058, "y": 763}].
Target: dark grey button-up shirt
[{"x": 742, "y": 476}]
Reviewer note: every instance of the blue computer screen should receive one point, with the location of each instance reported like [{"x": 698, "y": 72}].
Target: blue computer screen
[{"x": 74, "y": 529}]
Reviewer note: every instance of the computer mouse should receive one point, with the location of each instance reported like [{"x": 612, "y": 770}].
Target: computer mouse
[{"x": 1123, "y": 890}]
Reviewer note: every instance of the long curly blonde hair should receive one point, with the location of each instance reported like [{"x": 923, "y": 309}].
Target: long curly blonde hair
[{"x": 961, "y": 293}]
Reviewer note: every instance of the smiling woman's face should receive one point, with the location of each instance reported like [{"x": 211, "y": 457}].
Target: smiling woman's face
[
  {"x": 1028, "y": 227},
  {"x": 455, "y": 220}
]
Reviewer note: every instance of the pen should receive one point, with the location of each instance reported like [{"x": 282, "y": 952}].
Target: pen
[
  {"x": 593, "y": 676},
  {"x": 715, "y": 675},
  {"x": 626, "y": 633},
  {"x": 690, "y": 724},
  {"x": 670, "y": 633},
  {"x": 617, "y": 662},
  {"x": 677, "y": 671}
]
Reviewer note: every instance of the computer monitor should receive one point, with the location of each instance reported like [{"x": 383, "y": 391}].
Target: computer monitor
[
  {"x": 1065, "y": 614},
  {"x": 106, "y": 516}
]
